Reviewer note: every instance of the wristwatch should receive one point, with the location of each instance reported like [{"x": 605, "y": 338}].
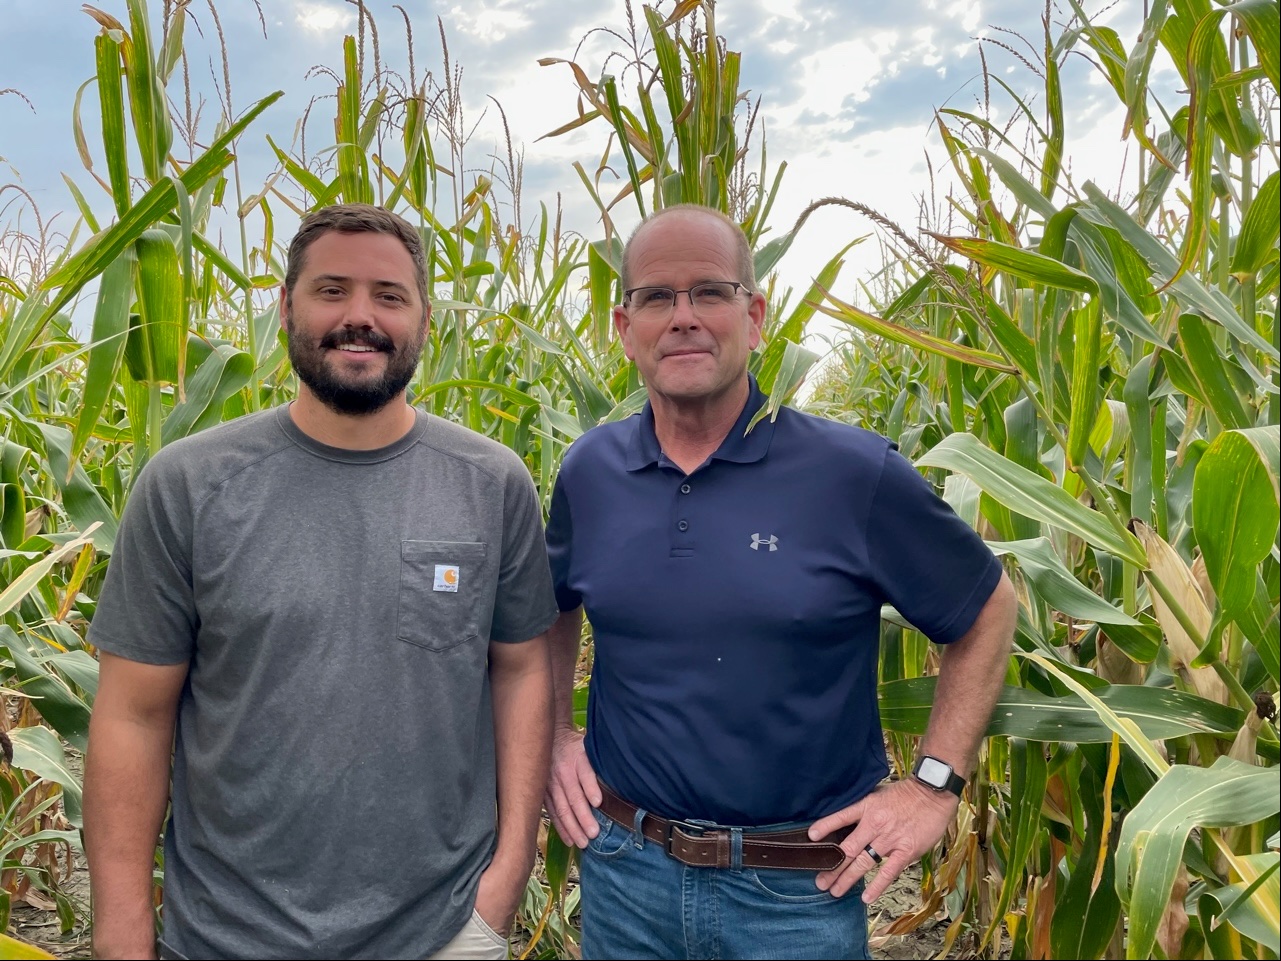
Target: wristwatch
[{"x": 937, "y": 775}]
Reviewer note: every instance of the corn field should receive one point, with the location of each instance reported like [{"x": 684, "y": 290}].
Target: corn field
[{"x": 1089, "y": 374}]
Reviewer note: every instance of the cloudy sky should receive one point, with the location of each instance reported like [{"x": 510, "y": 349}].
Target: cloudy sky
[{"x": 848, "y": 90}]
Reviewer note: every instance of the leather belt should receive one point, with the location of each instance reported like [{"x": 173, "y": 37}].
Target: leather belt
[{"x": 703, "y": 847}]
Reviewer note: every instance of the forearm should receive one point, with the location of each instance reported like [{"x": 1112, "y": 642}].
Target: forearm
[
  {"x": 564, "y": 639},
  {"x": 970, "y": 680},
  {"x": 522, "y": 699},
  {"x": 125, "y": 795}
]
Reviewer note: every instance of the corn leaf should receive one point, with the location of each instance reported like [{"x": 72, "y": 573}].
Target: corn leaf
[
  {"x": 1027, "y": 264},
  {"x": 1026, "y": 712},
  {"x": 1056, "y": 585},
  {"x": 38, "y": 750},
  {"x": 110, "y": 326},
  {"x": 1030, "y": 494},
  {"x": 1257, "y": 242},
  {"x": 1153, "y": 836},
  {"x": 1235, "y": 509}
]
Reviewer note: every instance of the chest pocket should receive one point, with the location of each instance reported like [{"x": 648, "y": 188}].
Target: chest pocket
[{"x": 441, "y": 594}]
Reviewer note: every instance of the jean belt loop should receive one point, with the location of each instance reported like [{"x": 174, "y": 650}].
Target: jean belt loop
[
  {"x": 736, "y": 849},
  {"x": 638, "y": 838}
]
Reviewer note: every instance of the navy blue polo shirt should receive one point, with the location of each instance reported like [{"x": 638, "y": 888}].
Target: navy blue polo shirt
[{"x": 736, "y": 610}]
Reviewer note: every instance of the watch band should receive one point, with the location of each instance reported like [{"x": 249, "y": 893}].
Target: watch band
[{"x": 954, "y": 783}]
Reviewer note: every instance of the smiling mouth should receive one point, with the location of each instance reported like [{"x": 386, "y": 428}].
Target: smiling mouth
[{"x": 357, "y": 349}]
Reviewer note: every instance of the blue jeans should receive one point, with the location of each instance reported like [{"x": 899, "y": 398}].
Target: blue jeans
[{"x": 637, "y": 902}]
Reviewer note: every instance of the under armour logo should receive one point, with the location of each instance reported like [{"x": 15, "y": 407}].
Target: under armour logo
[{"x": 758, "y": 542}]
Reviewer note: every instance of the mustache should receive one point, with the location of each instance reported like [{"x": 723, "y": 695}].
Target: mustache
[{"x": 364, "y": 338}]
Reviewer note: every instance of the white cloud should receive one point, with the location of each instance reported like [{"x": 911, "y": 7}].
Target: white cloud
[
  {"x": 489, "y": 22},
  {"x": 316, "y": 16}
]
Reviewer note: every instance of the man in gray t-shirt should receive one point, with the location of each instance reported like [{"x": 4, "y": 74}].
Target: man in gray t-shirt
[{"x": 334, "y": 613}]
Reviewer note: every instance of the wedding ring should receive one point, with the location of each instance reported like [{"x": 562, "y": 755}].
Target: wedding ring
[{"x": 872, "y": 853}]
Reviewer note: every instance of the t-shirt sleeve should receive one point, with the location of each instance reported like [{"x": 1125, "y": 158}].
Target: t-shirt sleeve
[
  {"x": 560, "y": 536},
  {"x": 931, "y": 565},
  {"x": 523, "y": 605},
  {"x": 146, "y": 611}
]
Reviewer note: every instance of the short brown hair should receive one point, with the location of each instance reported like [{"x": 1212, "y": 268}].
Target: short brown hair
[
  {"x": 742, "y": 249},
  {"x": 355, "y": 219}
]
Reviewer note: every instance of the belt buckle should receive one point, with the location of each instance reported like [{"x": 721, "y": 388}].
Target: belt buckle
[{"x": 699, "y": 830}]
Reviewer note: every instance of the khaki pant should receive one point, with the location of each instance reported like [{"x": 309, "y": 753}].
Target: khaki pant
[{"x": 477, "y": 941}]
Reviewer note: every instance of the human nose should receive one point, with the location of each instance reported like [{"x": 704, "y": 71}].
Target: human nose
[
  {"x": 683, "y": 314},
  {"x": 360, "y": 310}
]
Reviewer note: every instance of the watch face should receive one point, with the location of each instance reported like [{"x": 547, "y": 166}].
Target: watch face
[{"x": 933, "y": 772}]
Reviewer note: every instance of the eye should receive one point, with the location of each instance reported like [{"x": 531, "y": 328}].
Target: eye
[
  {"x": 655, "y": 296},
  {"x": 713, "y": 293}
]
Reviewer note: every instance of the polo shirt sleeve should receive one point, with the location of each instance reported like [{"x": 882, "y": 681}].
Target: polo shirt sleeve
[
  {"x": 560, "y": 537},
  {"x": 146, "y": 611},
  {"x": 523, "y": 605},
  {"x": 931, "y": 565}
]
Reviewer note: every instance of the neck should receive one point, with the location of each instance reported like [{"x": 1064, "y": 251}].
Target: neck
[
  {"x": 689, "y": 432},
  {"x": 351, "y": 431}
]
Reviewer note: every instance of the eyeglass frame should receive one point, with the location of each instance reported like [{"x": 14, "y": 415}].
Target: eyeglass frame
[{"x": 687, "y": 291}]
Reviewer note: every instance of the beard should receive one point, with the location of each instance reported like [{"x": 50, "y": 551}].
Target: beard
[{"x": 354, "y": 394}]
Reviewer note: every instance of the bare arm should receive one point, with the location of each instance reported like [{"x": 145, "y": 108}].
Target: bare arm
[
  {"x": 573, "y": 789},
  {"x": 126, "y": 792},
  {"x": 905, "y": 819},
  {"x": 521, "y": 685}
]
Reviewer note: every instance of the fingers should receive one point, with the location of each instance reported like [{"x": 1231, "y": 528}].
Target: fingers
[
  {"x": 571, "y": 795},
  {"x": 840, "y": 880},
  {"x": 890, "y": 869},
  {"x": 839, "y": 819}
]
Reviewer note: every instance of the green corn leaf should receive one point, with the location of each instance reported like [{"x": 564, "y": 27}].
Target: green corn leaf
[
  {"x": 1030, "y": 494},
  {"x": 223, "y": 373},
  {"x": 110, "y": 326},
  {"x": 1235, "y": 509},
  {"x": 157, "y": 345},
  {"x": 66, "y": 711},
  {"x": 1087, "y": 327},
  {"x": 37, "y": 749},
  {"x": 1027, "y": 264},
  {"x": 1245, "y": 906},
  {"x": 1187, "y": 290},
  {"x": 1208, "y": 367},
  {"x": 1056, "y": 585},
  {"x": 112, "y": 113},
  {"x": 1029, "y": 775},
  {"x": 1262, "y": 19},
  {"x": 147, "y": 103},
  {"x": 1257, "y": 242},
  {"x": 1154, "y": 833},
  {"x": 862, "y": 320},
  {"x": 1025, "y": 712},
  {"x": 103, "y": 248},
  {"x": 796, "y": 363}
]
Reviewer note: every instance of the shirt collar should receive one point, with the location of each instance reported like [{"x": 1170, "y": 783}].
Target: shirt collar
[{"x": 738, "y": 447}]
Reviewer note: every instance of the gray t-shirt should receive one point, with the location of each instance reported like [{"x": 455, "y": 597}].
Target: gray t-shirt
[{"x": 333, "y": 780}]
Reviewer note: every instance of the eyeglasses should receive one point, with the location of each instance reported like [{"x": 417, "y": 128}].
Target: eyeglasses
[{"x": 658, "y": 303}]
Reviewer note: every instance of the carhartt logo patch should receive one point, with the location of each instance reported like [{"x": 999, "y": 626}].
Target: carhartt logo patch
[
  {"x": 446, "y": 578},
  {"x": 770, "y": 543}
]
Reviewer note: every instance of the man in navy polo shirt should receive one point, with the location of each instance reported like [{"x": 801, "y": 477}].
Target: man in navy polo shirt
[{"x": 727, "y": 795}]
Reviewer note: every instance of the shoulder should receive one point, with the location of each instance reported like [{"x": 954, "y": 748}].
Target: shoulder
[
  {"x": 603, "y": 446},
  {"x": 203, "y": 461},
  {"x": 474, "y": 450},
  {"x": 816, "y": 439}
]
